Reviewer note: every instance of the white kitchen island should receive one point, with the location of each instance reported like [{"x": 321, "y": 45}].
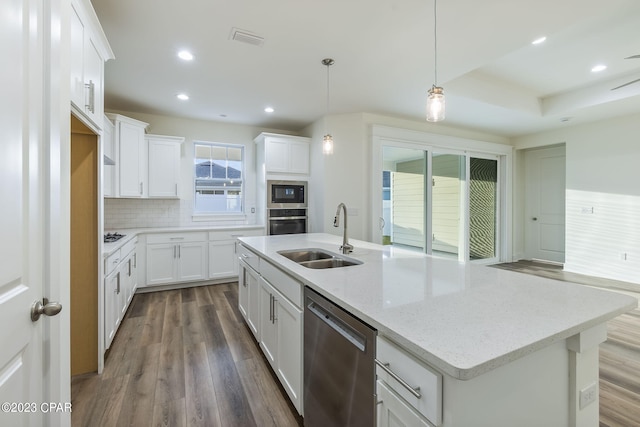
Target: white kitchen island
[{"x": 512, "y": 349}]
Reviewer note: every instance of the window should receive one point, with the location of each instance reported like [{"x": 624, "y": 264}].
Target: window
[{"x": 218, "y": 176}]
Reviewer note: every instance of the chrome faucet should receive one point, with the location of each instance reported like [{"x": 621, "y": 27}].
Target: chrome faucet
[{"x": 346, "y": 247}]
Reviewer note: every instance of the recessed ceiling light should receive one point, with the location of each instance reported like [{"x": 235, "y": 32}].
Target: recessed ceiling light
[
  {"x": 598, "y": 68},
  {"x": 185, "y": 55},
  {"x": 269, "y": 110},
  {"x": 182, "y": 96},
  {"x": 539, "y": 40}
]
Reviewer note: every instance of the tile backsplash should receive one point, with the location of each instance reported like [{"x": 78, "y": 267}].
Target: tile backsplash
[{"x": 146, "y": 213}]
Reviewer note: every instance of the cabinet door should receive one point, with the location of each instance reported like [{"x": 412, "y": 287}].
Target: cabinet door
[
  {"x": 277, "y": 156},
  {"x": 130, "y": 143},
  {"x": 299, "y": 157},
  {"x": 395, "y": 412},
  {"x": 222, "y": 256},
  {"x": 288, "y": 321},
  {"x": 192, "y": 261},
  {"x": 164, "y": 168},
  {"x": 253, "y": 313},
  {"x": 243, "y": 291},
  {"x": 268, "y": 331},
  {"x": 93, "y": 105},
  {"x": 161, "y": 263},
  {"x": 123, "y": 290},
  {"x": 110, "y": 308},
  {"x": 76, "y": 60},
  {"x": 134, "y": 274}
]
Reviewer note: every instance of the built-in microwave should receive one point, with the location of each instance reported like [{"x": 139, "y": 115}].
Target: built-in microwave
[{"x": 286, "y": 194}]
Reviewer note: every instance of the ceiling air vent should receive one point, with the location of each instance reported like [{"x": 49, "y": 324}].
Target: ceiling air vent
[{"x": 246, "y": 37}]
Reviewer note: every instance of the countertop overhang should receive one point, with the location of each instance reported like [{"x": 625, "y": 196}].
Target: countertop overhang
[{"x": 462, "y": 318}]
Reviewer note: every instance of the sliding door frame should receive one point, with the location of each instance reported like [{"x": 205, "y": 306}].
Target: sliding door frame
[{"x": 444, "y": 144}]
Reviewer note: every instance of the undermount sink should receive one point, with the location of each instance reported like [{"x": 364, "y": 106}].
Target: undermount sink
[{"x": 318, "y": 258}]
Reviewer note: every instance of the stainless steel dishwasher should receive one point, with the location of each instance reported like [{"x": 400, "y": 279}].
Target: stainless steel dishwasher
[{"x": 339, "y": 371}]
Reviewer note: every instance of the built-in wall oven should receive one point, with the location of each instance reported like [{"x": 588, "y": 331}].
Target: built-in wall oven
[{"x": 286, "y": 207}]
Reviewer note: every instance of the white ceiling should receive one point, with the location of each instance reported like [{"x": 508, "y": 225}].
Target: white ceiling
[{"x": 494, "y": 79}]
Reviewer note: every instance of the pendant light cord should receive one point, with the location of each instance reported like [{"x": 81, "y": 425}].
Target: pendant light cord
[
  {"x": 327, "y": 112},
  {"x": 435, "y": 41}
]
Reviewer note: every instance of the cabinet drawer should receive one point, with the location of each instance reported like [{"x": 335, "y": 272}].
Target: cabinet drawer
[
  {"x": 248, "y": 257},
  {"x": 415, "y": 374},
  {"x": 234, "y": 234},
  {"x": 111, "y": 262},
  {"x": 128, "y": 247},
  {"x": 287, "y": 285},
  {"x": 176, "y": 237}
]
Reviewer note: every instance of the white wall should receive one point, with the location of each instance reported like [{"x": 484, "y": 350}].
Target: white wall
[
  {"x": 603, "y": 173},
  {"x": 135, "y": 213}
]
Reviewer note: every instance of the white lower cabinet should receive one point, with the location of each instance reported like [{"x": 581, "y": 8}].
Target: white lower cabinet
[
  {"x": 119, "y": 286},
  {"x": 393, "y": 411},
  {"x": 222, "y": 259},
  {"x": 111, "y": 310},
  {"x": 271, "y": 303},
  {"x": 249, "y": 296},
  {"x": 176, "y": 257},
  {"x": 410, "y": 391},
  {"x": 281, "y": 339}
]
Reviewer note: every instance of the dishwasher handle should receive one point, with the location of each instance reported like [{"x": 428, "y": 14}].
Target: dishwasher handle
[{"x": 350, "y": 334}]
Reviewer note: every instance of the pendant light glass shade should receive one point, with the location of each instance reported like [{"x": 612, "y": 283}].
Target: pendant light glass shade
[
  {"x": 435, "y": 104},
  {"x": 327, "y": 144}
]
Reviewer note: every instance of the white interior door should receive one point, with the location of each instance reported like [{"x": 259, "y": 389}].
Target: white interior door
[
  {"x": 545, "y": 204},
  {"x": 27, "y": 377}
]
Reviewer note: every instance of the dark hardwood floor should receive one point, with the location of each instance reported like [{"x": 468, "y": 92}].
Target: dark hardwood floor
[{"x": 183, "y": 358}]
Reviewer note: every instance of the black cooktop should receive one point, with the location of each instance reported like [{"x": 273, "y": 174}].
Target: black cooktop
[{"x": 112, "y": 237}]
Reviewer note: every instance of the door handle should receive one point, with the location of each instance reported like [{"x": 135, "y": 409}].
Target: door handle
[
  {"x": 534, "y": 218},
  {"x": 44, "y": 307}
]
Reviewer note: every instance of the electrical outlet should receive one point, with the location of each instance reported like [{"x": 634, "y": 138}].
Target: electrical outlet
[{"x": 588, "y": 395}]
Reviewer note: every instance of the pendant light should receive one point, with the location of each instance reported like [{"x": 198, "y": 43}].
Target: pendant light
[
  {"x": 435, "y": 100},
  {"x": 327, "y": 141}
]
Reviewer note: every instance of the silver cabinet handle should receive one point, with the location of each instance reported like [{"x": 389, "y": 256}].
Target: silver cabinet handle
[
  {"x": 271, "y": 308},
  {"x": 118, "y": 285},
  {"x": 275, "y": 311},
  {"x": 176, "y": 188},
  {"x": 90, "y": 105},
  {"x": 129, "y": 267},
  {"x": 174, "y": 251},
  {"x": 135, "y": 260},
  {"x": 179, "y": 251},
  {"x": 413, "y": 390}
]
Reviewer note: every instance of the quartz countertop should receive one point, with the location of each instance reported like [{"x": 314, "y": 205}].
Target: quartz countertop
[
  {"x": 464, "y": 319},
  {"x": 130, "y": 233}
]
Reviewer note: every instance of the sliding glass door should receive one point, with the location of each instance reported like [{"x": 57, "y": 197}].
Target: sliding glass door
[
  {"x": 404, "y": 197},
  {"x": 441, "y": 202}
]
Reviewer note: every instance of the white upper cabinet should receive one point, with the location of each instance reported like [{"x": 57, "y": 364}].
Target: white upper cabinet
[
  {"x": 89, "y": 51},
  {"x": 164, "y": 166},
  {"x": 147, "y": 166},
  {"x": 131, "y": 155},
  {"x": 283, "y": 154}
]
